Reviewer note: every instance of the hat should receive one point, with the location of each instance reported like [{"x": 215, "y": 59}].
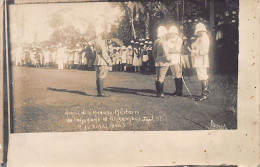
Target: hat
[
  {"x": 142, "y": 43},
  {"x": 129, "y": 47},
  {"x": 189, "y": 20},
  {"x": 146, "y": 42},
  {"x": 173, "y": 30},
  {"x": 150, "y": 42},
  {"x": 226, "y": 13},
  {"x": 192, "y": 38},
  {"x": 184, "y": 38},
  {"x": 123, "y": 47},
  {"x": 136, "y": 43},
  {"x": 200, "y": 27},
  {"x": 161, "y": 31},
  {"x": 132, "y": 42},
  {"x": 99, "y": 30}
]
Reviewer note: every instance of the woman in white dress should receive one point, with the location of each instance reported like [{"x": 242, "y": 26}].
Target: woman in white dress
[
  {"x": 129, "y": 57},
  {"x": 123, "y": 58},
  {"x": 136, "y": 60},
  {"x": 60, "y": 56}
]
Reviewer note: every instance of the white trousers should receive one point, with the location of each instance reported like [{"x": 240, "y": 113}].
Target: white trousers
[{"x": 202, "y": 73}]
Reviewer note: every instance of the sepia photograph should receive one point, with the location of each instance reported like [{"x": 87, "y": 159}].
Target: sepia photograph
[
  {"x": 129, "y": 83},
  {"x": 124, "y": 66}
]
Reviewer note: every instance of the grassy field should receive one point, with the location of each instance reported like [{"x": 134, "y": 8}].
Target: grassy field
[{"x": 46, "y": 100}]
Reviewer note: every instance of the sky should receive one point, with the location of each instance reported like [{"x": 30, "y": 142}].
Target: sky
[{"x": 29, "y": 22}]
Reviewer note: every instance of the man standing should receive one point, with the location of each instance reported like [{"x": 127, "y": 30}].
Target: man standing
[
  {"x": 174, "y": 43},
  {"x": 162, "y": 61},
  {"x": 102, "y": 61},
  {"x": 201, "y": 58},
  {"x": 151, "y": 62}
]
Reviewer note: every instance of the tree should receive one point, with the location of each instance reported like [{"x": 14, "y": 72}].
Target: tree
[{"x": 56, "y": 21}]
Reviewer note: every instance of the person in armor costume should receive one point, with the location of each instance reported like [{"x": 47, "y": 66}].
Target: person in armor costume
[
  {"x": 200, "y": 52},
  {"x": 102, "y": 61}
]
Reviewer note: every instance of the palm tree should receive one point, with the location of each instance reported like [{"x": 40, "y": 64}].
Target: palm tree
[{"x": 135, "y": 9}]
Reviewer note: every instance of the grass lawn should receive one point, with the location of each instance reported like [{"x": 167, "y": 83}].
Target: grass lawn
[{"x": 46, "y": 100}]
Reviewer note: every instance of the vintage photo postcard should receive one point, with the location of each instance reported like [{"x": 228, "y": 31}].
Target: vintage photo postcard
[
  {"x": 61, "y": 76},
  {"x": 152, "y": 83}
]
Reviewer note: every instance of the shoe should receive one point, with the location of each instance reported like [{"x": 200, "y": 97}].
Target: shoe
[
  {"x": 102, "y": 95},
  {"x": 100, "y": 83},
  {"x": 205, "y": 90},
  {"x": 160, "y": 93},
  {"x": 157, "y": 87},
  {"x": 178, "y": 86}
]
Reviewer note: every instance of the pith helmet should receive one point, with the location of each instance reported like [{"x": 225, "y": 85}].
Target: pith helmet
[
  {"x": 200, "y": 27},
  {"x": 123, "y": 47},
  {"x": 173, "y": 30},
  {"x": 161, "y": 31}
]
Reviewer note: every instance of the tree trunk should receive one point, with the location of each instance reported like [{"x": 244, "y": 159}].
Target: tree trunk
[
  {"x": 133, "y": 26},
  {"x": 177, "y": 11},
  {"x": 212, "y": 28},
  {"x": 147, "y": 20}
]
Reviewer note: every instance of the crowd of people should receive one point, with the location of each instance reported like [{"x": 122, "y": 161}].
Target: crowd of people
[
  {"x": 54, "y": 56},
  {"x": 136, "y": 57},
  {"x": 171, "y": 50}
]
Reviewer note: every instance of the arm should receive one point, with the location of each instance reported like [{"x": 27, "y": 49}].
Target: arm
[
  {"x": 105, "y": 54},
  {"x": 154, "y": 51},
  {"x": 179, "y": 45},
  {"x": 204, "y": 46}
]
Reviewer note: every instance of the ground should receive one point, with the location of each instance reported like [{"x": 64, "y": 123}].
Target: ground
[{"x": 47, "y": 100}]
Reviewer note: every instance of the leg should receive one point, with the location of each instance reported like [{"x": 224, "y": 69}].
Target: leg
[
  {"x": 177, "y": 76},
  {"x": 159, "y": 83},
  {"x": 101, "y": 72},
  {"x": 203, "y": 77}
]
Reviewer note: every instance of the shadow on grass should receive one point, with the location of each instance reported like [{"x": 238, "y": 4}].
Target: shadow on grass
[
  {"x": 142, "y": 92},
  {"x": 69, "y": 91},
  {"x": 138, "y": 92}
]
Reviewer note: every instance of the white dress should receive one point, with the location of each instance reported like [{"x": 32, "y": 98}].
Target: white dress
[{"x": 136, "y": 61}]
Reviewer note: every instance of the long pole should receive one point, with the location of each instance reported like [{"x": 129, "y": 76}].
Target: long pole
[
  {"x": 1, "y": 82},
  {"x": 8, "y": 69}
]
